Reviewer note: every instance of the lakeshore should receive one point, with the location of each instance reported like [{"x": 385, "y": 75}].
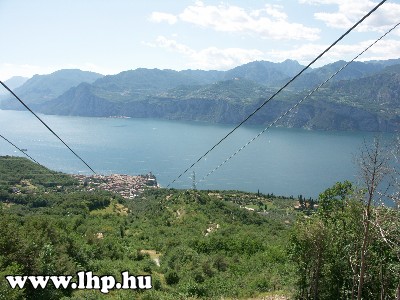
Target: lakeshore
[
  {"x": 127, "y": 186},
  {"x": 282, "y": 161}
]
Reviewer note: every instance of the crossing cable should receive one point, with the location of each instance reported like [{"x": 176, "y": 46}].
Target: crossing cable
[
  {"x": 298, "y": 103},
  {"x": 26, "y": 154},
  {"x": 280, "y": 90},
  {"x": 51, "y": 130}
]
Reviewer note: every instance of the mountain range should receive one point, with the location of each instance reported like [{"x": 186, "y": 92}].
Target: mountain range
[
  {"x": 43, "y": 88},
  {"x": 364, "y": 96},
  {"x": 12, "y": 83}
]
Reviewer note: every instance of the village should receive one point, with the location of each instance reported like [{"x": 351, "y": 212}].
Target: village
[{"x": 127, "y": 186}]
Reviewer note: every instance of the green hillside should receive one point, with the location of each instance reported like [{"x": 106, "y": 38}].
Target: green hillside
[
  {"x": 193, "y": 243},
  {"x": 196, "y": 244}
]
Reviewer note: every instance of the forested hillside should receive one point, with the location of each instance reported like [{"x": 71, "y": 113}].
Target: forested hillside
[
  {"x": 200, "y": 244},
  {"x": 193, "y": 243}
]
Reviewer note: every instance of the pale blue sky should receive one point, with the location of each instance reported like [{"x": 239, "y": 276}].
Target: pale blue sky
[{"x": 42, "y": 36}]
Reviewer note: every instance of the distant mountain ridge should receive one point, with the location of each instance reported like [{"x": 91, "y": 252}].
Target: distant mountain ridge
[
  {"x": 12, "y": 83},
  {"x": 42, "y": 88},
  {"x": 365, "y": 96}
]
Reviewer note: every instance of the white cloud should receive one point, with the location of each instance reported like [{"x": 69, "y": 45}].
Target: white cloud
[
  {"x": 159, "y": 17},
  {"x": 276, "y": 12},
  {"x": 211, "y": 57},
  {"x": 350, "y": 11},
  {"x": 385, "y": 49},
  {"x": 163, "y": 42},
  {"x": 270, "y": 22},
  {"x": 227, "y": 58}
]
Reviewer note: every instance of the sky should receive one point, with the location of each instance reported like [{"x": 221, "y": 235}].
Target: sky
[{"x": 42, "y": 36}]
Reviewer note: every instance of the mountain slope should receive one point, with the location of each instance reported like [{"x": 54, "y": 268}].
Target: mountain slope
[
  {"x": 42, "y": 88},
  {"x": 265, "y": 72},
  {"x": 13, "y": 83},
  {"x": 370, "y": 103},
  {"x": 365, "y": 96},
  {"x": 193, "y": 243},
  {"x": 315, "y": 77},
  {"x": 378, "y": 93}
]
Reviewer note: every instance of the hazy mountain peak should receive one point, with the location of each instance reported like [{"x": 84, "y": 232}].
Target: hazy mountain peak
[{"x": 42, "y": 88}]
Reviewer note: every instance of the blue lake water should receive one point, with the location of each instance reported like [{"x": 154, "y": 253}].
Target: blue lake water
[{"x": 281, "y": 161}]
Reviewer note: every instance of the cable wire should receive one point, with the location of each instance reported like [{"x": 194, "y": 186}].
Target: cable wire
[
  {"x": 282, "y": 88},
  {"x": 26, "y": 154},
  {"x": 51, "y": 130},
  {"x": 298, "y": 103}
]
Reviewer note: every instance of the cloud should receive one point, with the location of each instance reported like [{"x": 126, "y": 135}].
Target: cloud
[
  {"x": 159, "y": 17},
  {"x": 269, "y": 22},
  {"x": 227, "y": 58},
  {"x": 350, "y": 11},
  {"x": 383, "y": 50},
  {"x": 209, "y": 58}
]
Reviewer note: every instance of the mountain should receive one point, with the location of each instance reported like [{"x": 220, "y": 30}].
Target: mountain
[
  {"x": 80, "y": 101},
  {"x": 370, "y": 103},
  {"x": 15, "y": 81},
  {"x": 204, "y": 77},
  {"x": 315, "y": 77},
  {"x": 133, "y": 85},
  {"x": 265, "y": 72},
  {"x": 12, "y": 83},
  {"x": 42, "y": 88},
  {"x": 378, "y": 93},
  {"x": 386, "y": 63},
  {"x": 365, "y": 96},
  {"x": 235, "y": 91}
]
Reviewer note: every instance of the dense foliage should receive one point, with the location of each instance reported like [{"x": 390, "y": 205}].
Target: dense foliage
[
  {"x": 350, "y": 247},
  {"x": 326, "y": 248},
  {"x": 194, "y": 243}
]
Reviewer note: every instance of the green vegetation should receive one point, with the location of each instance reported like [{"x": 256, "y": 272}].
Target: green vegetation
[
  {"x": 207, "y": 244},
  {"x": 327, "y": 247},
  {"x": 235, "y": 91},
  {"x": 350, "y": 247},
  {"x": 196, "y": 244}
]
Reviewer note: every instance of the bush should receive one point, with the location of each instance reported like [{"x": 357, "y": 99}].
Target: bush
[{"x": 171, "y": 278}]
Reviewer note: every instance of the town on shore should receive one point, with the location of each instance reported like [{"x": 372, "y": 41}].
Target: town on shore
[{"x": 127, "y": 186}]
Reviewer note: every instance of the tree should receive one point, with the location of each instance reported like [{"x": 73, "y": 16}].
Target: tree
[
  {"x": 387, "y": 220},
  {"x": 350, "y": 248},
  {"x": 374, "y": 166}
]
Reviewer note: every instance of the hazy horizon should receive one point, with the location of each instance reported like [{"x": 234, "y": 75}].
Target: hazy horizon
[{"x": 109, "y": 37}]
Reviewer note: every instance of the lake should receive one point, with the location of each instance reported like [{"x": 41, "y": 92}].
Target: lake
[{"x": 281, "y": 161}]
